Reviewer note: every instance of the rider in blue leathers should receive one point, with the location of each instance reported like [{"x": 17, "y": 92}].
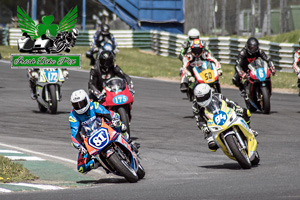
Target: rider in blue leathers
[{"x": 84, "y": 111}]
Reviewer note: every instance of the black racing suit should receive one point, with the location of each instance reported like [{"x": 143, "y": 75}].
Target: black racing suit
[
  {"x": 97, "y": 77},
  {"x": 242, "y": 62},
  {"x": 201, "y": 118}
]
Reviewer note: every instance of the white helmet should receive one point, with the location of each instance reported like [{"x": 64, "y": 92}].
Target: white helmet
[
  {"x": 80, "y": 101},
  {"x": 203, "y": 94},
  {"x": 193, "y": 34}
]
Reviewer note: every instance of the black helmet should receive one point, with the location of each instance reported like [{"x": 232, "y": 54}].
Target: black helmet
[
  {"x": 252, "y": 45},
  {"x": 105, "y": 29},
  {"x": 106, "y": 60}
]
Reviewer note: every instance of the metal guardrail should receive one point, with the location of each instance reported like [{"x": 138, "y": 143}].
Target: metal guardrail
[{"x": 225, "y": 49}]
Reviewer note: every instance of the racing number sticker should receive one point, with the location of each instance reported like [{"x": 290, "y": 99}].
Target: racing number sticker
[
  {"x": 208, "y": 75},
  {"x": 120, "y": 99},
  {"x": 99, "y": 139},
  {"x": 220, "y": 119}
]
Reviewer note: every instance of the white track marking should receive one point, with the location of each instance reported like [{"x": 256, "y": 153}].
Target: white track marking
[
  {"x": 27, "y": 158},
  {"x": 43, "y": 187},
  {"x": 4, "y": 190}
]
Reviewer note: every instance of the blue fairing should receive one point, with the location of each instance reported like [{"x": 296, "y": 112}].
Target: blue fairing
[{"x": 261, "y": 74}]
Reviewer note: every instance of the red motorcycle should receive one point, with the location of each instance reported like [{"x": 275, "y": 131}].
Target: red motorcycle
[{"x": 117, "y": 97}]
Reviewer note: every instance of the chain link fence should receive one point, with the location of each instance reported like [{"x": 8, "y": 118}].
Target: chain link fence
[{"x": 242, "y": 17}]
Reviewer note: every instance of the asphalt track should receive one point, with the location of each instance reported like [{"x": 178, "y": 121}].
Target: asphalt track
[{"x": 174, "y": 153}]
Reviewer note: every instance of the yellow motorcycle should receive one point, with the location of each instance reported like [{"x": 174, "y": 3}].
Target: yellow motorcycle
[{"x": 232, "y": 134}]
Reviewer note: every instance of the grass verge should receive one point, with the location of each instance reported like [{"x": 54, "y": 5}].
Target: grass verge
[
  {"x": 146, "y": 64},
  {"x": 13, "y": 172}
]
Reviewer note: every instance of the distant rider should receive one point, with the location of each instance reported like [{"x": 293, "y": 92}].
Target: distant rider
[
  {"x": 203, "y": 97},
  {"x": 101, "y": 35},
  {"x": 104, "y": 69},
  {"x": 194, "y": 58},
  {"x": 296, "y": 65},
  {"x": 248, "y": 54},
  {"x": 84, "y": 111},
  {"x": 192, "y": 34}
]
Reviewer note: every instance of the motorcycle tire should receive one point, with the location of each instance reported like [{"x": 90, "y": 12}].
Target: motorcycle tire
[
  {"x": 240, "y": 155},
  {"x": 42, "y": 108},
  {"x": 256, "y": 159},
  {"x": 265, "y": 103},
  {"x": 124, "y": 118},
  {"x": 141, "y": 172},
  {"x": 53, "y": 99},
  {"x": 123, "y": 168}
]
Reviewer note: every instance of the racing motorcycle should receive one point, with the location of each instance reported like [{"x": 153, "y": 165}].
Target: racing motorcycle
[
  {"x": 117, "y": 96},
  {"x": 112, "y": 150},
  {"x": 48, "y": 89},
  {"x": 205, "y": 72},
  {"x": 232, "y": 134},
  {"x": 258, "y": 87}
]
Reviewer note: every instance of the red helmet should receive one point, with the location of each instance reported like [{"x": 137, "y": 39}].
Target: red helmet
[{"x": 197, "y": 48}]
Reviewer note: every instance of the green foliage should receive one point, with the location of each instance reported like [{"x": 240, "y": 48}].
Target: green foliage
[
  {"x": 290, "y": 37},
  {"x": 13, "y": 172}
]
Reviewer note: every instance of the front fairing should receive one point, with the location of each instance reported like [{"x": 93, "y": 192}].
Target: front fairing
[
  {"x": 50, "y": 76},
  {"x": 117, "y": 92},
  {"x": 206, "y": 73},
  {"x": 222, "y": 119}
]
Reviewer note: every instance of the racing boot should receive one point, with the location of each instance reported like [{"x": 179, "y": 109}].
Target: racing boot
[
  {"x": 135, "y": 146},
  {"x": 183, "y": 87},
  {"x": 95, "y": 164},
  {"x": 212, "y": 144},
  {"x": 33, "y": 90}
]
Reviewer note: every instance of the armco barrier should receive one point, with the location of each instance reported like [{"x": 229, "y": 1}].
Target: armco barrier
[{"x": 225, "y": 49}]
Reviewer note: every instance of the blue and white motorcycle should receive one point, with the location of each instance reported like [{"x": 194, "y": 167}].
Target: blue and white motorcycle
[{"x": 48, "y": 88}]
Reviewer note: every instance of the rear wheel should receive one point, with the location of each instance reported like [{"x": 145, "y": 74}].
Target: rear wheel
[
  {"x": 53, "y": 99},
  {"x": 124, "y": 118},
  {"x": 123, "y": 168},
  {"x": 265, "y": 100},
  {"x": 240, "y": 154}
]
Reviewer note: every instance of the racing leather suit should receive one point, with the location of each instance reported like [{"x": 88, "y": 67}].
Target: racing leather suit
[
  {"x": 97, "y": 77},
  {"x": 242, "y": 62},
  {"x": 84, "y": 162}
]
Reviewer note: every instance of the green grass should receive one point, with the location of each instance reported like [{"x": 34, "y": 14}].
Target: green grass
[
  {"x": 13, "y": 172},
  {"x": 144, "y": 63},
  {"x": 289, "y": 37}
]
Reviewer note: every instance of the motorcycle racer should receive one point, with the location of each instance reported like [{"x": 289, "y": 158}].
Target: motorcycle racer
[
  {"x": 101, "y": 35},
  {"x": 105, "y": 69},
  {"x": 296, "y": 65},
  {"x": 248, "y": 54},
  {"x": 84, "y": 111},
  {"x": 192, "y": 34},
  {"x": 194, "y": 58},
  {"x": 203, "y": 98}
]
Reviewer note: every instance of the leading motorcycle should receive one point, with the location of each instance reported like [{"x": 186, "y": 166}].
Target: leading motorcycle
[
  {"x": 232, "y": 134},
  {"x": 258, "y": 87},
  {"x": 112, "y": 150}
]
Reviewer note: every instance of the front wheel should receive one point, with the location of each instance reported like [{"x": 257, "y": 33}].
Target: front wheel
[
  {"x": 240, "y": 154},
  {"x": 141, "y": 172},
  {"x": 53, "y": 99},
  {"x": 265, "y": 103},
  {"x": 123, "y": 168}
]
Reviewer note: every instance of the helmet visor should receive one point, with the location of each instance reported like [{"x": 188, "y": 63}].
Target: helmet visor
[
  {"x": 203, "y": 98},
  {"x": 79, "y": 105},
  {"x": 253, "y": 49}
]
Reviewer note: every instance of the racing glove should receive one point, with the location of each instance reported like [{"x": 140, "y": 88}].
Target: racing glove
[
  {"x": 82, "y": 150},
  {"x": 243, "y": 75},
  {"x": 220, "y": 72},
  {"x": 239, "y": 111},
  {"x": 99, "y": 95}
]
